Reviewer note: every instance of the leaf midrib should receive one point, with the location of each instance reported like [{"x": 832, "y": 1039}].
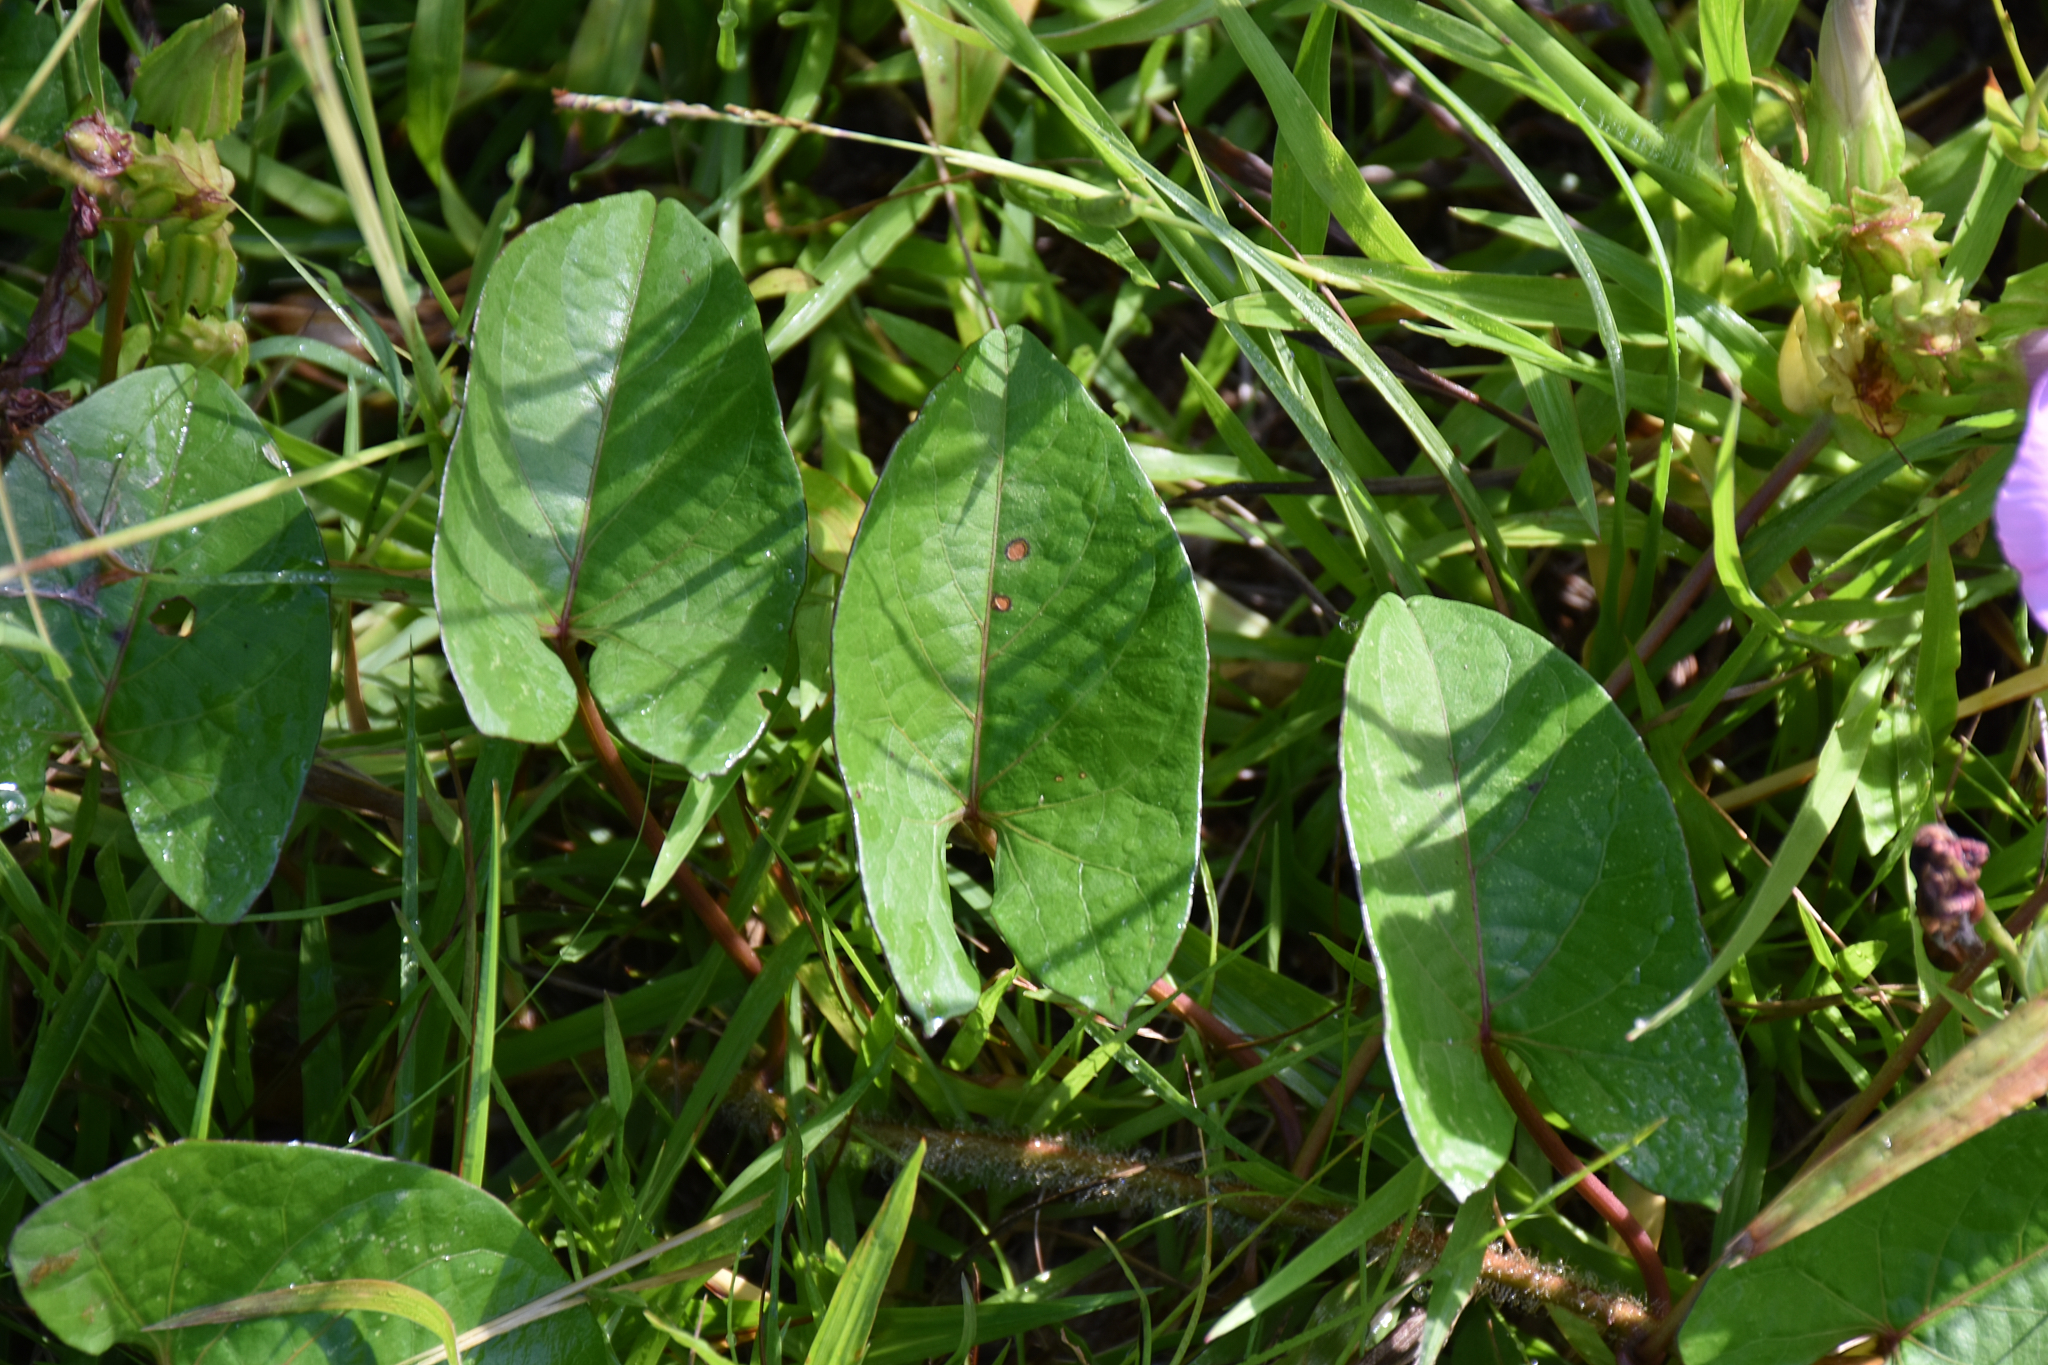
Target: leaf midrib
[{"x": 563, "y": 621}]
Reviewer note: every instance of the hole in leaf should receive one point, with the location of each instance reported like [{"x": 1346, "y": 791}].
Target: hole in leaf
[
  {"x": 175, "y": 616},
  {"x": 1016, "y": 549}
]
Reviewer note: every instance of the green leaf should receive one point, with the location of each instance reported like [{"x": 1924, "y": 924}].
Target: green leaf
[
  {"x": 193, "y": 79},
  {"x": 1724, "y": 47},
  {"x": 1481, "y": 764},
  {"x": 843, "y": 1335},
  {"x": 206, "y": 695},
  {"x": 856, "y": 256},
  {"x": 204, "y": 1223},
  {"x": 1457, "y": 1273},
  {"x": 1399, "y": 1197},
  {"x": 621, "y": 479},
  {"x": 1020, "y": 656},
  {"x": 1298, "y": 213},
  {"x": 1943, "y": 1265},
  {"x": 26, "y": 34},
  {"x": 329, "y": 1296},
  {"x": 433, "y": 83}
]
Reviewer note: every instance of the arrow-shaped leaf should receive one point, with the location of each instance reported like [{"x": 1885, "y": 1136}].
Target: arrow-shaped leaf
[
  {"x": 621, "y": 480},
  {"x": 200, "y": 658},
  {"x": 1020, "y": 663},
  {"x": 1504, "y": 817}
]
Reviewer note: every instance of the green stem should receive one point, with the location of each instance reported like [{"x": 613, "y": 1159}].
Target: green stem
[{"x": 123, "y": 248}]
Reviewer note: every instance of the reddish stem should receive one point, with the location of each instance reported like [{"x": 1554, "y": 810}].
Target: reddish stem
[
  {"x": 1318, "y": 1137},
  {"x": 1590, "y": 1187},
  {"x": 1222, "y": 1035},
  {"x": 627, "y": 790}
]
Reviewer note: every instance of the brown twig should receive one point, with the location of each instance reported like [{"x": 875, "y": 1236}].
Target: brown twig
[
  {"x": 1590, "y": 1187},
  {"x": 1696, "y": 582},
  {"x": 651, "y": 833},
  {"x": 1222, "y": 1035}
]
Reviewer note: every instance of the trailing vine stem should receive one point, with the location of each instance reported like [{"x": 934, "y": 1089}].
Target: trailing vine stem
[
  {"x": 621, "y": 782},
  {"x": 1066, "y": 1168},
  {"x": 1590, "y": 1186}
]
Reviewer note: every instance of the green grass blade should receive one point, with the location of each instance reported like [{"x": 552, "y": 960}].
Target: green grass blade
[
  {"x": 476, "y": 1121},
  {"x": 1323, "y": 159},
  {"x": 843, "y": 1335}
]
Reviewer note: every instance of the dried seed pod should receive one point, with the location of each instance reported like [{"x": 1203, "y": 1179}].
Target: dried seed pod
[{"x": 1945, "y": 871}]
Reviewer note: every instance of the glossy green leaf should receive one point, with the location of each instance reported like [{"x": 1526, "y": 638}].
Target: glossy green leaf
[
  {"x": 843, "y": 1335},
  {"x": 621, "y": 479},
  {"x": 193, "y": 79},
  {"x": 1944, "y": 1265},
  {"x": 206, "y": 691},
  {"x": 1020, "y": 658},
  {"x": 327, "y": 1296},
  {"x": 26, "y": 33},
  {"x": 1504, "y": 815},
  {"x": 204, "y": 1223}
]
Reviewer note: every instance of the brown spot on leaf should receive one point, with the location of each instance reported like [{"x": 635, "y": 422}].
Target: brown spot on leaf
[
  {"x": 1016, "y": 549},
  {"x": 1002, "y": 602},
  {"x": 51, "y": 1265}
]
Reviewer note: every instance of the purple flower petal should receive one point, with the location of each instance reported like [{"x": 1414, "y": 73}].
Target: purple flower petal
[{"x": 2021, "y": 515}]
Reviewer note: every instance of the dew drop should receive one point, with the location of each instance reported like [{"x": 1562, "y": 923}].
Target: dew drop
[{"x": 13, "y": 805}]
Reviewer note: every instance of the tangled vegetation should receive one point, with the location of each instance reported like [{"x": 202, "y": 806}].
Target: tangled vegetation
[{"x": 1136, "y": 681}]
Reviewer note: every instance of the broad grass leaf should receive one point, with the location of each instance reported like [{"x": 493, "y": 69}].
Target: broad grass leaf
[
  {"x": 1480, "y": 764},
  {"x": 201, "y": 658},
  {"x": 202, "y": 1223},
  {"x": 1019, "y": 656},
  {"x": 621, "y": 479},
  {"x": 1943, "y": 1265}
]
